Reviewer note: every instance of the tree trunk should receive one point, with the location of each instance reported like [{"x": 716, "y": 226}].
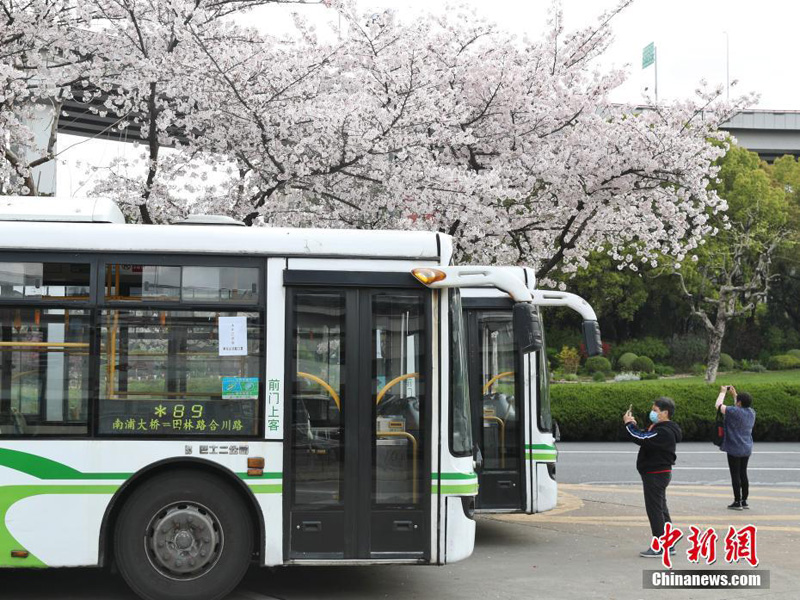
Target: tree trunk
[
  {"x": 715, "y": 336},
  {"x": 152, "y": 165}
]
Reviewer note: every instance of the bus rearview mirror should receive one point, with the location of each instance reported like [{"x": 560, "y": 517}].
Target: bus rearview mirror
[
  {"x": 527, "y": 328},
  {"x": 591, "y": 338}
]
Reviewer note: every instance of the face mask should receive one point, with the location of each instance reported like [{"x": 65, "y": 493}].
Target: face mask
[{"x": 653, "y": 416}]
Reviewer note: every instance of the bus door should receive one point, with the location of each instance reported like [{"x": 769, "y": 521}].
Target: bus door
[
  {"x": 359, "y": 425},
  {"x": 498, "y": 408}
]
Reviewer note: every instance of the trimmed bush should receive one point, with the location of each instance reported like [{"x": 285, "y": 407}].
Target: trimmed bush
[
  {"x": 649, "y": 346},
  {"x": 781, "y": 362},
  {"x": 598, "y": 364},
  {"x": 795, "y": 353},
  {"x": 599, "y": 376},
  {"x": 725, "y": 362},
  {"x": 593, "y": 412},
  {"x": 625, "y": 362},
  {"x": 646, "y": 376},
  {"x": 664, "y": 370},
  {"x": 643, "y": 364}
]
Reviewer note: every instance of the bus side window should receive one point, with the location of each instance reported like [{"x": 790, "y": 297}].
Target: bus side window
[
  {"x": 44, "y": 371},
  {"x": 44, "y": 348},
  {"x": 174, "y": 372}
]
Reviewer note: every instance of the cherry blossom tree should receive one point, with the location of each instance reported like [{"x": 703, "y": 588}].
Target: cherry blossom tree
[
  {"x": 444, "y": 123},
  {"x": 449, "y": 124},
  {"x": 126, "y": 58}
]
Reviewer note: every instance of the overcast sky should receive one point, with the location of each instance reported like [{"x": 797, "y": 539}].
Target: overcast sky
[{"x": 689, "y": 37}]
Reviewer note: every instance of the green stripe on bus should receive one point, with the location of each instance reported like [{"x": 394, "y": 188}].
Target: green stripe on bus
[
  {"x": 47, "y": 469},
  {"x": 453, "y": 475},
  {"x": 269, "y": 488},
  {"x": 541, "y": 457},
  {"x": 539, "y": 447},
  {"x": 275, "y": 475},
  {"x": 11, "y": 494},
  {"x": 44, "y": 468}
]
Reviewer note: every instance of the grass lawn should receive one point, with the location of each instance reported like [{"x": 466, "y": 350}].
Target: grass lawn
[{"x": 740, "y": 378}]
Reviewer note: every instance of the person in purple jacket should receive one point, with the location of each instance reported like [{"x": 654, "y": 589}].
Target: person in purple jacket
[{"x": 737, "y": 441}]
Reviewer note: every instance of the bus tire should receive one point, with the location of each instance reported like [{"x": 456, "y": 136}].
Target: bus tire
[{"x": 183, "y": 536}]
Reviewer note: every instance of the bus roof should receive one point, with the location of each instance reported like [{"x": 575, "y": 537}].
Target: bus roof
[
  {"x": 59, "y": 210},
  {"x": 97, "y": 225},
  {"x": 216, "y": 239}
]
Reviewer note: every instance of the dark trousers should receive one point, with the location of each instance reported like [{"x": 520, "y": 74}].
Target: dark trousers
[
  {"x": 655, "y": 500},
  {"x": 738, "y": 467}
]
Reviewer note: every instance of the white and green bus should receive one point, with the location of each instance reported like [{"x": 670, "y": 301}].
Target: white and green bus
[
  {"x": 510, "y": 397},
  {"x": 186, "y": 400}
]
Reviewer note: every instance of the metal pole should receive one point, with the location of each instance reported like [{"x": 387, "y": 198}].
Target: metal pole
[
  {"x": 727, "y": 67},
  {"x": 655, "y": 63}
]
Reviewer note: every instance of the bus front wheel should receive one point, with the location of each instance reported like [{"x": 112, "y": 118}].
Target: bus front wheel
[{"x": 182, "y": 536}]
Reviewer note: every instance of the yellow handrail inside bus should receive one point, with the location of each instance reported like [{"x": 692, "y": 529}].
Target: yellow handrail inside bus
[
  {"x": 111, "y": 367},
  {"x": 405, "y": 434},
  {"x": 45, "y": 344},
  {"x": 392, "y": 383},
  {"x": 494, "y": 379},
  {"x": 324, "y": 384}
]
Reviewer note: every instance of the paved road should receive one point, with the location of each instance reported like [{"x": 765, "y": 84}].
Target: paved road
[
  {"x": 776, "y": 463},
  {"x": 586, "y": 548}
]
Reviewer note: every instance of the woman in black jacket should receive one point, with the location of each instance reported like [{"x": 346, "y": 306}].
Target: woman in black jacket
[{"x": 654, "y": 462}]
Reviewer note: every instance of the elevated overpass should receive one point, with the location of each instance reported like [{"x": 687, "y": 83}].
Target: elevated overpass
[{"x": 770, "y": 133}]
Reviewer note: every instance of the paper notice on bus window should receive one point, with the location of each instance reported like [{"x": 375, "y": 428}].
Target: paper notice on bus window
[{"x": 233, "y": 336}]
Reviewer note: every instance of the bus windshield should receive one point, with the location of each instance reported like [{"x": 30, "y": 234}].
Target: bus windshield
[
  {"x": 461, "y": 432},
  {"x": 543, "y": 387},
  {"x": 498, "y": 386}
]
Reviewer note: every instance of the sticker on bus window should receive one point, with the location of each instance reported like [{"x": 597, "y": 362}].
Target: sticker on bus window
[
  {"x": 240, "y": 388},
  {"x": 233, "y": 336}
]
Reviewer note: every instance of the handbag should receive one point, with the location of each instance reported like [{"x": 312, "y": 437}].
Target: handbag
[{"x": 719, "y": 428}]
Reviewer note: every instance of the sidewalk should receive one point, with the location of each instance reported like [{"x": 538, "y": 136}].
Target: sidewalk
[{"x": 588, "y": 546}]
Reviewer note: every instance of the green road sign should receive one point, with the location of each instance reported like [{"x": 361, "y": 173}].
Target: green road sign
[{"x": 648, "y": 55}]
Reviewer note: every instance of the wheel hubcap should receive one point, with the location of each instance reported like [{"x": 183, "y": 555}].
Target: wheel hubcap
[{"x": 184, "y": 540}]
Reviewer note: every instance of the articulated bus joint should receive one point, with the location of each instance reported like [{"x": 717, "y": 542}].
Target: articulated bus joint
[{"x": 108, "y": 525}]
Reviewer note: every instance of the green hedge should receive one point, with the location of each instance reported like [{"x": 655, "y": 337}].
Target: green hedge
[
  {"x": 782, "y": 362},
  {"x": 593, "y": 412}
]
